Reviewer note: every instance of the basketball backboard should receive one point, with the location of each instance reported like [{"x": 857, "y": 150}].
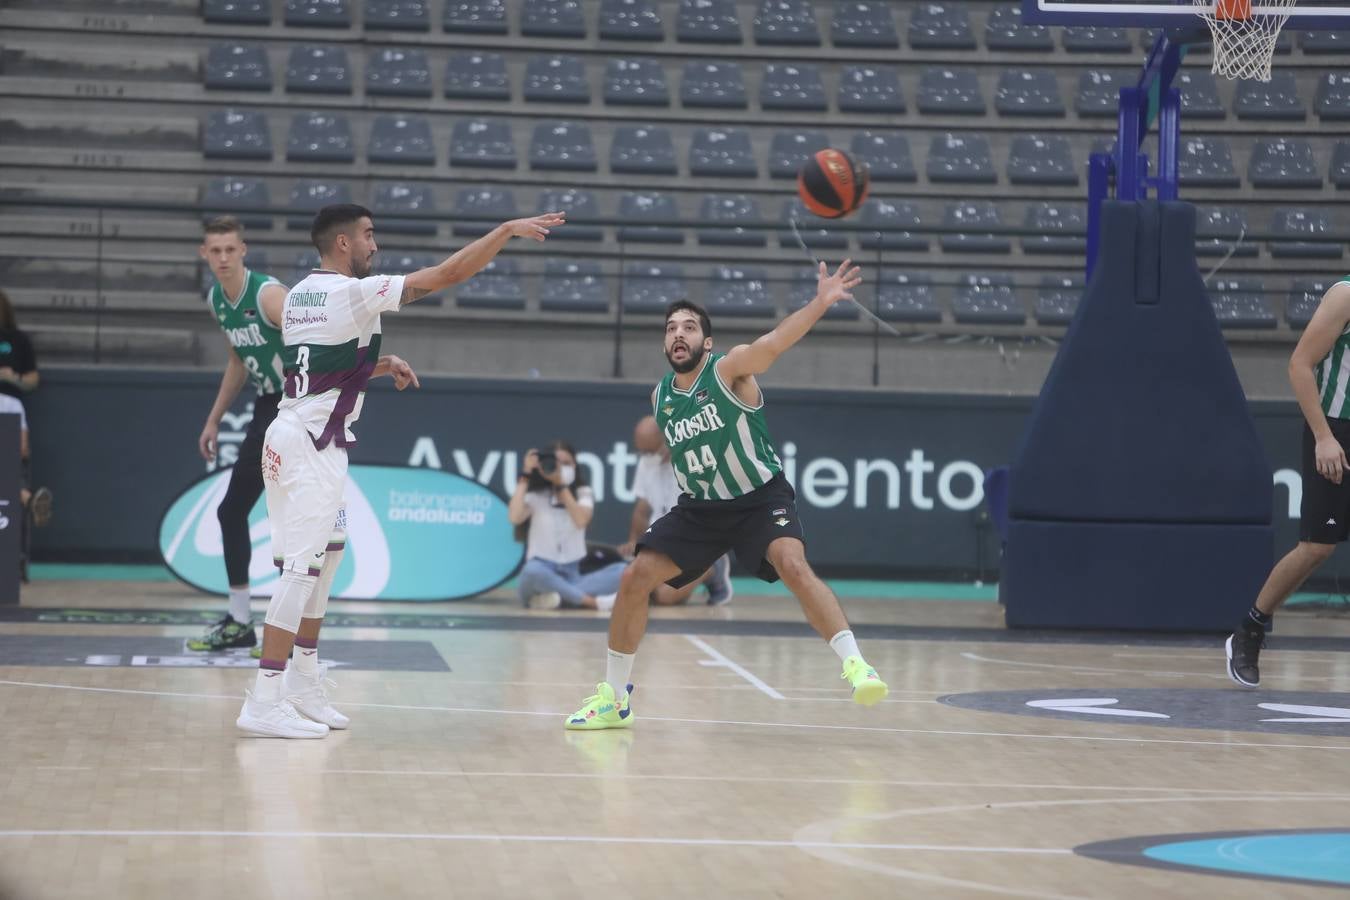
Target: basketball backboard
[{"x": 1307, "y": 15}]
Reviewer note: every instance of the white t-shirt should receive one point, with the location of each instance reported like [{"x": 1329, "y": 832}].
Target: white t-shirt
[
  {"x": 12, "y": 404},
  {"x": 330, "y": 324},
  {"x": 655, "y": 483},
  {"x": 552, "y": 533}
]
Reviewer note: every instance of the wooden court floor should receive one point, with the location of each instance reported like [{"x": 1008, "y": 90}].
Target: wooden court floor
[{"x": 748, "y": 774}]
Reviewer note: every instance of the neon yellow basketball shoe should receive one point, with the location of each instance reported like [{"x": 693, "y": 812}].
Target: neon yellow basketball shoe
[
  {"x": 868, "y": 688},
  {"x": 602, "y": 711}
]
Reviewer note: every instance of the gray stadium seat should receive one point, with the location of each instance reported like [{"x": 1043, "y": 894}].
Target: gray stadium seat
[
  {"x": 237, "y": 67},
  {"x": 886, "y": 154},
  {"x": 1333, "y": 96},
  {"x": 1062, "y": 227},
  {"x": 649, "y": 206},
  {"x": 648, "y": 287},
  {"x": 236, "y": 134},
  {"x": 1303, "y": 223},
  {"x": 552, "y": 19},
  {"x": 636, "y": 82},
  {"x": 579, "y": 205},
  {"x": 940, "y": 26},
  {"x": 475, "y": 16},
  {"x": 394, "y": 199},
  {"x": 1021, "y": 92},
  {"x": 476, "y": 211},
  {"x": 1283, "y": 162},
  {"x": 987, "y": 298},
  {"x": 571, "y": 285},
  {"x": 1340, "y": 165},
  {"x": 1217, "y": 229},
  {"x": 1057, "y": 298},
  {"x": 1207, "y": 162},
  {"x": 802, "y": 289},
  {"x": 233, "y": 194},
  {"x": 1005, "y": 30},
  {"x": 320, "y": 137},
  {"x": 863, "y": 23},
  {"x": 1199, "y": 95},
  {"x": 736, "y": 214},
  {"x": 309, "y": 195},
  {"x": 401, "y": 140},
  {"x": 794, "y": 86},
  {"x": 237, "y": 12},
  {"x": 497, "y": 285},
  {"x": 708, "y": 22},
  {"x": 870, "y": 89},
  {"x": 945, "y": 91},
  {"x": 740, "y": 291},
  {"x": 891, "y": 225},
  {"x": 907, "y": 297},
  {"x": 1275, "y": 99},
  {"x": 1038, "y": 159},
  {"x": 396, "y": 72},
  {"x": 563, "y": 146},
  {"x": 789, "y": 149},
  {"x": 971, "y": 216},
  {"x": 398, "y": 262},
  {"x": 318, "y": 69},
  {"x": 398, "y": 15},
  {"x": 1097, "y": 39},
  {"x": 318, "y": 13},
  {"x": 305, "y": 262},
  {"x": 960, "y": 158},
  {"x": 631, "y": 20},
  {"x": 819, "y": 234},
  {"x": 1099, "y": 93},
  {"x": 713, "y": 84},
  {"x": 477, "y": 76},
  {"x": 483, "y": 143},
  {"x": 787, "y": 22},
  {"x": 556, "y": 79},
  {"x": 722, "y": 152},
  {"x": 1324, "y": 41},
  {"x": 1305, "y": 295},
  {"x": 1239, "y": 302},
  {"x": 642, "y": 150}
]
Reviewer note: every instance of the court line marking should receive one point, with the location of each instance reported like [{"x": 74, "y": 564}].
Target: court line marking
[
  {"x": 1098, "y": 670},
  {"x": 722, "y": 660},
  {"x": 876, "y": 729}
]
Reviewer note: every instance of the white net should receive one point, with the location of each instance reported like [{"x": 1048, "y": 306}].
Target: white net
[{"x": 1244, "y": 47}]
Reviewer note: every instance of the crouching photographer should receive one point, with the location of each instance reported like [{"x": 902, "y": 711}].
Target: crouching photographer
[{"x": 551, "y": 507}]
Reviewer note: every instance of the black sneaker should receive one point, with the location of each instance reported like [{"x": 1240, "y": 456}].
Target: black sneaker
[
  {"x": 1244, "y": 652},
  {"x": 225, "y": 635}
]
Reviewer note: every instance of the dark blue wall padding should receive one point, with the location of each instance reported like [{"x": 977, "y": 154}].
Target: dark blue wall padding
[{"x": 1140, "y": 496}]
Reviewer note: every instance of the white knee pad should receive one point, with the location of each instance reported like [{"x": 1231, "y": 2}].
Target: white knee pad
[
  {"x": 317, "y": 605},
  {"x": 289, "y": 599}
]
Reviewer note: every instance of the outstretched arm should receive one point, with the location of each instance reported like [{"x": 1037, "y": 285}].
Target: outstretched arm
[
  {"x": 755, "y": 358},
  {"x": 466, "y": 262}
]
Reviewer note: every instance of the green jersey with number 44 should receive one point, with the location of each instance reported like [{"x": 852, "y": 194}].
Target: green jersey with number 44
[
  {"x": 256, "y": 340},
  {"x": 720, "y": 447}
]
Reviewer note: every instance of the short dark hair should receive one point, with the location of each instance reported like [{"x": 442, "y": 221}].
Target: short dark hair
[
  {"x": 332, "y": 219},
  {"x": 703, "y": 321},
  {"x": 224, "y": 225}
]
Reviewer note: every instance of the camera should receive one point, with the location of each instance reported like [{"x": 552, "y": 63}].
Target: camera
[{"x": 548, "y": 464}]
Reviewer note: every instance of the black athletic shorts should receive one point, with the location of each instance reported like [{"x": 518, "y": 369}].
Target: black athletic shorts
[
  {"x": 696, "y": 533},
  {"x": 1325, "y": 514}
]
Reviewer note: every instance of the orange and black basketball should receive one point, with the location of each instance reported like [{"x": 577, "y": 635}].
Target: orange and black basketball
[{"x": 832, "y": 184}]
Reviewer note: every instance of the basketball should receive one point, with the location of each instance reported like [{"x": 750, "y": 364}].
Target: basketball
[{"x": 832, "y": 184}]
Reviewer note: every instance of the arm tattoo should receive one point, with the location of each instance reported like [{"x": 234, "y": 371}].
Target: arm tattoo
[{"x": 411, "y": 293}]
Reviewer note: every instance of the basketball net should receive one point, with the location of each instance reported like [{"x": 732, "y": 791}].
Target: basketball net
[{"x": 1244, "y": 38}]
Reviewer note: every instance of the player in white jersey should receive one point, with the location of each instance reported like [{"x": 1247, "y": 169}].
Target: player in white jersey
[{"x": 331, "y": 332}]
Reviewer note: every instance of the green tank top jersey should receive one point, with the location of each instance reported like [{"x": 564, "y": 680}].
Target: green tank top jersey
[
  {"x": 1333, "y": 376},
  {"x": 257, "y": 341},
  {"x": 720, "y": 448}
]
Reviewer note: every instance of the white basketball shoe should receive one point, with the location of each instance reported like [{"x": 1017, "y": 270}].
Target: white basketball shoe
[
  {"x": 276, "y": 719},
  {"x": 309, "y": 695}
]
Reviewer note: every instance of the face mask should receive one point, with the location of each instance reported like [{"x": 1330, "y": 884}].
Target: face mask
[{"x": 568, "y": 473}]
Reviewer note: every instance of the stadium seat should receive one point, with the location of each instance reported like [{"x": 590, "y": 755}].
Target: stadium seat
[
  {"x": 950, "y": 92},
  {"x": 318, "y": 13},
  {"x": 400, "y": 262},
  {"x": 1099, "y": 93},
  {"x": 398, "y": 15},
  {"x": 1340, "y": 165},
  {"x": 1333, "y": 96},
  {"x": 713, "y": 84},
  {"x": 631, "y": 20},
  {"x": 233, "y": 194},
  {"x": 891, "y": 225},
  {"x": 1097, "y": 39},
  {"x": 787, "y": 22},
  {"x": 789, "y": 149},
  {"x": 476, "y": 211},
  {"x": 971, "y": 216},
  {"x": 571, "y": 285},
  {"x": 987, "y": 298},
  {"x": 309, "y": 195},
  {"x": 1275, "y": 99},
  {"x": 792, "y": 86},
  {"x": 1217, "y": 230},
  {"x": 1239, "y": 302},
  {"x": 237, "y": 12},
  {"x": 730, "y": 220},
  {"x": 708, "y": 22},
  {"x": 802, "y": 289},
  {"x": 579, "y": 205},
  {"x": 396, "y": 72},
  {"x": 642, "y": 150},
  {"x": 482, "y": 143},
  {"x": 636, "y": 82},
  {"x": 305, "y": 262},
  {"x": 907, "y": 297},
  {"x": 818, "y": 234},
  {"x": 237, "y": 67},
  {"x": 1206, "y": 162},
  {"x": 740, "y": 291},
  {"x": 648, "y": 287},
  {"x": 722, "y": 152},
  {"x": 940, "y": 26},
  {"x": 1324, "y": 41},
  {"x": 960, "y": 158},
  {"x": 1303, "y": 223},
  {"x": 649, "y": 206},
  {"x": 477, "y": 76},
  {"x": 318, "y": 69},
  {"x": 886, "y": 154},
  {"x": 1062, "y": 227},
  {"x": 320, "y": 137},
  {"x": 236, "y": 134},
  {"x": 1036, "y": 159},
  {"x": 1022, "y": 92},
  {"x": 393, "y": 199},
  {"x": 563, "y": 146},
  {"x": 552, "y": 19},
  {"x": 556, "y": 79},
  {"x": 1305, "y": 295},
  {"x": 497, "y": 285},
  {"x": 863, "y": 23},
  {"x": 870, "y": 89},
  {"x": 1199, "y": 95},
  {"x": 1283, "y": 163},
  {"x": 1057, "y": 298},
  {"x": 1005, "y": 30},
  {"x": 401, "y": 140},
  {"x": 475, "y": 16}
]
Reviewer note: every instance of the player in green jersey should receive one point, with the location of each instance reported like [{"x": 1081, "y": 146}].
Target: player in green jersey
[{"x": 733, "y": 494}]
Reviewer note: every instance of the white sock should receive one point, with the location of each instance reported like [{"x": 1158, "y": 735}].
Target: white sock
[
  {"x": 239, "y": 608},
  {"x": 618, "y": 669},
  {"x": 844, "y": 644},
  {"x": 267, "y": 686},
  {"x": 305, "y": 660},
  {"x": 605, "y": 602}
]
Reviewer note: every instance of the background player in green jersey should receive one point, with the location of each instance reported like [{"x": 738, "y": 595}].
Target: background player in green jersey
[
  {"x": 247, "y": 305},
  {"x": 734, "y": 496},
  {"x": 1319, "y": 371}
]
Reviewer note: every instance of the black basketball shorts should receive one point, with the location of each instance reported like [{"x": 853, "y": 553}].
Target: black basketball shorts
[{"x": 1325, "y": 515}]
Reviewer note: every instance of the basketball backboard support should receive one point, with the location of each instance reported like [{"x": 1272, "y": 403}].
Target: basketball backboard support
[{"x": 1307, "y": 15}]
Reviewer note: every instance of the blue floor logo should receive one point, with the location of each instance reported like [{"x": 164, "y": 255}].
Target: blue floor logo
[{"x": 1303, "y": 856}]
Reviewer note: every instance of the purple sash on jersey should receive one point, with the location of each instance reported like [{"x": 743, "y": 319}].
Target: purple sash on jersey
[{"x": 351, "y": 382}]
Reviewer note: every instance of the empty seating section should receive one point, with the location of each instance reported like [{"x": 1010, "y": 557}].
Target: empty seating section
[
  {"x": 730, "y": 220},
  {"x": 789, "y": 149},
  {"x": 787, "y": 22},
  {"x": 739, "y": 291},
  {"x": 642, "y": 150},
  {"x": 310, "y": 195},
  {"x": 318, "y": 69},
  {"x": 477, "y": 210},
  {"x": 392, "y": 201},
  {"x": 556, "y": 79},
  {"x": 717, "y": 152},
  {"x": 631, "y": 20},
  {"x": 870, "y": 89},
  {"x": 574, "y": 286},
  {"x": 398, "y": 15},
  {"x": 401, "y": 140},
  {"x": 563, "y": 146},
  {"x": 318, "y": 13},
  {"x": 398, "y": 73},
  {"x": 482, "y": 143},
  {"x": 477, "y": 76},
  {"x": 796, "y": 87},
  {"x": 944, "y": 91},
  {"x": 475, "y": 16},
  {"x": 237, "y": 67},
  {"x": 636, "y": 82},
  {"x": 713, "y": 84},
  {"x": 552, "y": 19},
  {"x": 708, "y": 22}
]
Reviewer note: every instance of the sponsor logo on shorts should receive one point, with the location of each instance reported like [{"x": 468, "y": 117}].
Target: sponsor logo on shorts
[
  {"x": 271, "y": 464},
  {"x": 781, "y": 521},
  {"x": 779, "y": 512}
]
